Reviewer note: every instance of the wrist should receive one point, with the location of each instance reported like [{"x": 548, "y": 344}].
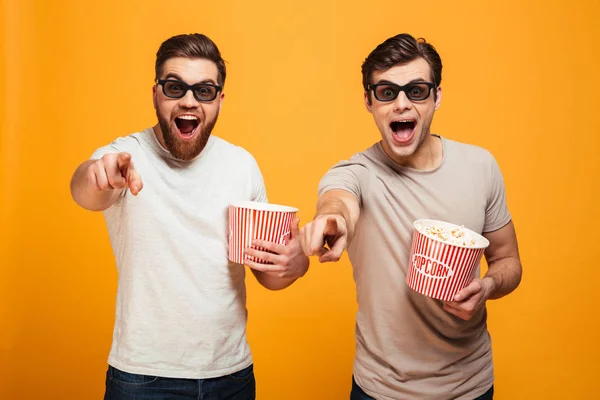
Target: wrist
[
  {"x": 328, "y": 214},
  {"x": 489, "y": 286}
]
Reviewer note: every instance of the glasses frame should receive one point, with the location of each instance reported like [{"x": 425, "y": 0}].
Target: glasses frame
[
  {"x": 404, "y": 89},
  {"x": 187, "y": 87}
]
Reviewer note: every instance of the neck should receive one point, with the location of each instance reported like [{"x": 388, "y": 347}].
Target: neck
[
  {"x": 428, "y": 155},
  {"x": 159, "y": 135}
]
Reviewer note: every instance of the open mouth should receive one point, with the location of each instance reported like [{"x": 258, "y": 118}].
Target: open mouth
[
  {"x": 187, "y": 124},
  {"x": 403, "y": 129}
]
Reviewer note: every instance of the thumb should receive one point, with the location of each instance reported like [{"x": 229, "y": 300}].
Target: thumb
[
  {"x": 123, "y": 160},
  {"x": 473, "y": 288},
  {"x": 295, "y": 228}
]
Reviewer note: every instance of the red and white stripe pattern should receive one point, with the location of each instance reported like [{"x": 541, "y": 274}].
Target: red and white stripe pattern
[
  {"x": 440, "y": 270},
  {"x": 246, "y": 224}
]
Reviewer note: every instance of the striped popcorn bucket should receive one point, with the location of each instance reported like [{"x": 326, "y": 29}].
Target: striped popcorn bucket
[
  {"x": 250, "y": 220},
  {"x": 439, "y": 269}
]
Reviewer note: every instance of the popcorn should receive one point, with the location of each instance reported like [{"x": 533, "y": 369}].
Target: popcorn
[{"x": 456, "y": 236}]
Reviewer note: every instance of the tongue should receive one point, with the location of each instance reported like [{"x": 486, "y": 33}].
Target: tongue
[
  {"x": 185, "y": 126},
  {"x": 403, "y": 131}
]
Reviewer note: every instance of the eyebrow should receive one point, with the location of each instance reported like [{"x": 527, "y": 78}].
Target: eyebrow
[{"x": 173, "y": 75}]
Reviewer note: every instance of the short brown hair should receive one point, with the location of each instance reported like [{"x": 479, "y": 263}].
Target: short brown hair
[
  {"x": 401, "y": 49},
  {"x": 195, "y": 45}
]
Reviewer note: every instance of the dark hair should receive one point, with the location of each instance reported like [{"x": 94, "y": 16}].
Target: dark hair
[
  {"x": 401, "y": 49},
  {"x": 195, "y": 45}
]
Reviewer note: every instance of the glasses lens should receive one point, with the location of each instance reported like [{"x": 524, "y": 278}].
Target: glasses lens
[
  {"x": 205, "y": 92},
  {"x": 417, "y": 91},
  {"x": 386, "y": 92},
  {"x": 174, "y": 89}
]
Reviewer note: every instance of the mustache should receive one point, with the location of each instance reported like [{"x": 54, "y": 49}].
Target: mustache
[{"x": 190, "y": 111}]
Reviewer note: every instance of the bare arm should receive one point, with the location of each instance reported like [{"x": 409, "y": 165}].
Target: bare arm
[
  {"x": 504, "y": 264},
  {"x": 96, "y": 184},
  {"x": 334, "y": 224},
  {"x": 272, "y": 282},
  {"x": 342, "y": 203}
]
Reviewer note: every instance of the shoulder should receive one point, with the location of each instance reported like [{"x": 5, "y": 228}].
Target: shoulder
[
  {"x": 230, "y": 153},
  {"x": 469, "y": 153},
  {"x": 361, "y": 161},
  {"x": 131, "y": 143}
]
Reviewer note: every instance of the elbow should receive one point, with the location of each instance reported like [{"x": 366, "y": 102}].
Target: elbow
[
  {"x": 276, "y": 286},
  {"x": 519, "y": 276}
]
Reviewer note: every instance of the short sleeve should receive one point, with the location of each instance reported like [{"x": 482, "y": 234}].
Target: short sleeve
[
  {"x": 259, "y": 191},
  {"x": 496, "y": 211},
  {"x": 345, "y": 176},
  {"x": 109, "y": 149}
]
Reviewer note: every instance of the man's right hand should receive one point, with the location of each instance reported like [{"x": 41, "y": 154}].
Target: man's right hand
[
  {"x": 115, "y": 171},
  {"x": 326, "y": 229},
  {"x": 97, "y": 184}
]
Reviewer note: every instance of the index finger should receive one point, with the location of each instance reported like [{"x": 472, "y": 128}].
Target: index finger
[
  {"x": 261, "y": 267},
  {"x": 331, "y": 226},
  {"x": 271, "y": 246}
]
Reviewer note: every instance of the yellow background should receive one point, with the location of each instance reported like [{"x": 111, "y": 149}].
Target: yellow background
[{"x": 520, "y": 78}]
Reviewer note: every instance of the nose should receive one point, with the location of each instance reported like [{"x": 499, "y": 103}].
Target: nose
[
  {"x": 402, "y": 103},
  {"x": 188, "y": 100}
]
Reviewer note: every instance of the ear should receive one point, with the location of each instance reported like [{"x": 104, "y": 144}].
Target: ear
[
  {"x": 368, "y": 101},
  {"x": 154, "y": 94},
  {"x": 221, "y": 99},
  {"x": 438, "y": 99}
]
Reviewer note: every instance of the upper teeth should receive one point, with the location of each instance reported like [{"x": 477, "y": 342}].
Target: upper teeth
[{"x": 190, "y": 117}]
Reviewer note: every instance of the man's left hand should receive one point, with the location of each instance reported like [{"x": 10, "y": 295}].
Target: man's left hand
[
  {"x": 470, "y": 299},
  {"x": 288, "y": 262}
]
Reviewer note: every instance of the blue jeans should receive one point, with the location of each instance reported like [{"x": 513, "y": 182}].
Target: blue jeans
[
  {"x": 125, "y": 386},
  {"x": 359, "y": 394}
]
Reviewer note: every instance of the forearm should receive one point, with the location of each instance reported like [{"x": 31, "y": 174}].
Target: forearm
[
  {"x": 87, "y": 194},
  {"x": 504, "y": 276},
  {"x": 332, "y": 205},
  {"x": 340, "y": 203}
]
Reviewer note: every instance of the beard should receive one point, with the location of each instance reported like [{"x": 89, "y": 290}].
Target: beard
[{"x": 185, "y": 150}]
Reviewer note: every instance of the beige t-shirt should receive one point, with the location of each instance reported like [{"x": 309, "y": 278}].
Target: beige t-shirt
[{"x": 407, "y": 346}]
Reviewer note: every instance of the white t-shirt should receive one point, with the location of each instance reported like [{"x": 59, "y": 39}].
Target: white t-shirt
[{"x": 181, "y": 305}]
